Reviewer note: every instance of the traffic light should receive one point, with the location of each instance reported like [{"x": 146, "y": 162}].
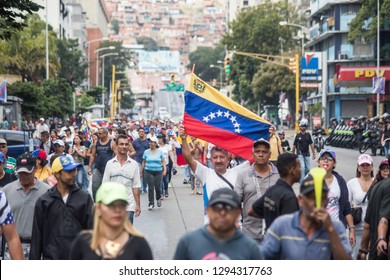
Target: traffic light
[
  {"x": 227, "y": 65},
  {"x": 292, "y": 65},
  {"x": 172, "y": 80}
]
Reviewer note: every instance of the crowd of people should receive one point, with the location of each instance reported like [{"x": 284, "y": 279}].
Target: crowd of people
[{"x": 78, "y": 195}]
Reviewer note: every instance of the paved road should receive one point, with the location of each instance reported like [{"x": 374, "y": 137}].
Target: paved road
[
  {"x": 173, "y": 101},
  {"x": 182, "y": 212}
]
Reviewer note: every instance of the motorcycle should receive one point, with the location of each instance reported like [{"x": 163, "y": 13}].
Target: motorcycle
[{"x": 318, "y": 140}]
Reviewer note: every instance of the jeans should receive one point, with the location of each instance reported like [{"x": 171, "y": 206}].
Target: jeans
[
  {"x": 131, "y": 217},
  {"x": 305, "y": 165},
  {"x": 387, "y": 148},
  {"x": 355, "y": 249},
  {"x": 187, "y": 173},
  {"x": 80, "y": 178},
  {"x": 153, "y": 178},
  {"x": 85, "y": 178},
  {"x": 143, "y": 180},
  {"x": 97, "y": 178},
  {"x": 165, "y": 181}
]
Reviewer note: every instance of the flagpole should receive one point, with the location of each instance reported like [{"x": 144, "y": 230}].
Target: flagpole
[{"x": 193, "y": 68}]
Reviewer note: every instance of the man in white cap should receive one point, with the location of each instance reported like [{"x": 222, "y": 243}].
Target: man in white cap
[
  {"x": 59, "y": 149},
  {"x": 41, "y": 126}
]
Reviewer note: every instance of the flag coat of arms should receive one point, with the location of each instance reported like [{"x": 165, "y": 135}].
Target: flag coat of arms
[{"x": 213, "y": 117}]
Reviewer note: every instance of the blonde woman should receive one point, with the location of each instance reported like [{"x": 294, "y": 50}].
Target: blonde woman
[{"x": 113, "y": 237}]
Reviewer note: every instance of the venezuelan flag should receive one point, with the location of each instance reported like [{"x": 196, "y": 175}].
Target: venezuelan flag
[
  {"x": 213, "y": 117},
  {"x": 3, "y": 92}
]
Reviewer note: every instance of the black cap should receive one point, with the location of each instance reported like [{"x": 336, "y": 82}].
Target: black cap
[
  {"x": 25, "y": 163},
  {"x": 226, "y": 196},
  {"x": 307, "y": 185}
]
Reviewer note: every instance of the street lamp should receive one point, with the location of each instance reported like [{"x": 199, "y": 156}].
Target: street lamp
[
  {"x": 220, "y": 71},
  {"x": 284, "y": 23},
  {"x": 102, "y": 57},
  {"x": 47, "y": 43},
  {"x": 89, "y": 57},
  {"x": 97, "y": 61}
]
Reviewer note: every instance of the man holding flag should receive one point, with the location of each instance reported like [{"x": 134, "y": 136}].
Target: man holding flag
[
  {"x": 212, "y": 179},
  {"x": 213, "y": 117}
]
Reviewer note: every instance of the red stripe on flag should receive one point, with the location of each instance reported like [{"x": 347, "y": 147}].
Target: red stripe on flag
[{"x": 237, "y": 144}]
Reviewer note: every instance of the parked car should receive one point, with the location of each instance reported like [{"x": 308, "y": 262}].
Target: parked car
[{"x": 18, "y": 142}]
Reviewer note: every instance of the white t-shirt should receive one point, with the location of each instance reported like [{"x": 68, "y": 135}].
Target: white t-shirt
[
  {"x": 355, "y": 197},
  {"x": 333, "y": 206},
  {"x": 165, "y": 150},
  {"x": 213, "y": 181}
]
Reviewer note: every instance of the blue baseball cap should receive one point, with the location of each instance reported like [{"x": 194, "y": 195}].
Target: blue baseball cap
[
  {"x": 65, "y": 162},
  {"x": 328, "y": 151}
]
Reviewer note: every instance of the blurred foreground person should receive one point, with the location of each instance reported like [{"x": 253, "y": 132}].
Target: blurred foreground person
[
  {"x": 7, "y": 228},
  {"x": 113, "y": 236},
  {"x": 220, "y": 239},
  {"x": 308, "y": 234}
]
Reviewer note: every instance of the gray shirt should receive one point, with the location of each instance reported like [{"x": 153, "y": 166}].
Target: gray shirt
[
  {"x": 202, "y": 245},
  {"x": 23, "y": 204},
  {"x": 250, "y": 186}
]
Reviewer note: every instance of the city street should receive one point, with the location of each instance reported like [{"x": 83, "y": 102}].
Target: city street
[{"x": 183, "y": 212}]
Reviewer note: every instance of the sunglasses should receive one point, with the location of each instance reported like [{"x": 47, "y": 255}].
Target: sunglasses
[
  {"x": 328, "y": 158},
  {"x": 221, "y": 206}
]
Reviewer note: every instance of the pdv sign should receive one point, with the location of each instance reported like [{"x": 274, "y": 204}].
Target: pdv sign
[{"x": 311, "y": 63}]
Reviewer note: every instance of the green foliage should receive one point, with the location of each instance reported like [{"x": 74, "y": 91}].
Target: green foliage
[
  {"x": 32, "y": 98},
  {"x": 365, "y": 23},
  {"x": 115, "y": 26},
  {"x": 257, "y": 30},
  {"x": 84, "y": 101},
  {"x": 24, "y": 53},
  {"x": 127, "y": 102},
  {"x": 315, "y": 109},
  {"x": 203, "y": 57},
  {"x": 269, "y": 81},
  {"x": 58, "y": 97},
  {"x": 121, "y": 62},
  {"x": 149, "y": 44},
  {"x": 10, "y": 14},
  {"x": 73, "y": 68}
]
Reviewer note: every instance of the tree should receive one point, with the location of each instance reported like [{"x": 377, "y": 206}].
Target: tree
[
  {"x": 58, "y": 97},
  {"x": 33, "y": 105},
  {"x": 12, "y": 16},
  {"x": 268, "y": 82},
  {"x": 115, "y": 26},
  {"x": 256, "y": 30},
  {"x": 84, "y": 101},
  {"x": 203, "y": 57},
  {"x": 364, "y": 25},
  {"x": 24, "y": 53},
  {"x": 72, "y": 65},
  {"x": 150, "y": 45}
]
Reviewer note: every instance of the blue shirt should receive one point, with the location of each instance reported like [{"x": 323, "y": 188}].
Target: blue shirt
[
  {"x": 153, "y": 161},
  {"x": 140, "y": 146},
  {"x": 286, "y": 240}
]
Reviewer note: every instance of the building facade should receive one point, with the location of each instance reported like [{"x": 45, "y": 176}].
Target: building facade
[{"x": 347, "y": 69}]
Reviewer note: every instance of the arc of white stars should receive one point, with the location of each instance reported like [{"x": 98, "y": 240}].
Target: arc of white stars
[{"x": 226, "y": 114}]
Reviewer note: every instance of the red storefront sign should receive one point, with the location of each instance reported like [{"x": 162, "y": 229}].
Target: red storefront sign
[{"x": 359, "y": 75}]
